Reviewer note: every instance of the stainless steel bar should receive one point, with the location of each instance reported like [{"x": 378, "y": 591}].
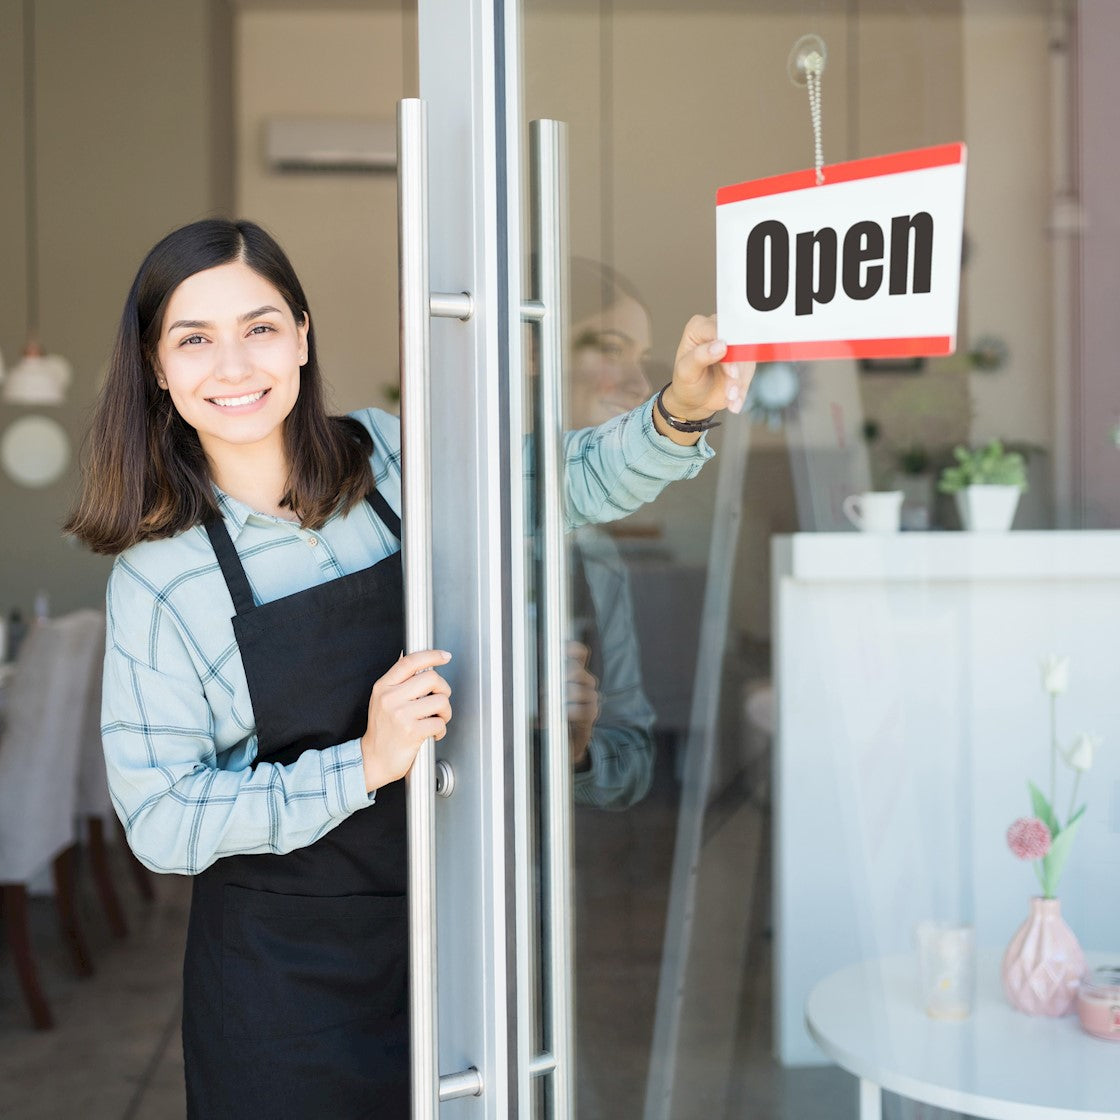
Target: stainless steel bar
[
  {"x": 412, "y": 216},
  {"x": 451, "y": 305},
  {"x": 544, "y": 1063},
  {"x": 548, "y": 141},
  {"x": 465, "y": 1084}
]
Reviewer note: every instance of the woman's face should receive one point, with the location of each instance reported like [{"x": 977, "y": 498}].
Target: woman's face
[
  {"x": 609, "y": 349},
  {"x": 230, "y": 353}
]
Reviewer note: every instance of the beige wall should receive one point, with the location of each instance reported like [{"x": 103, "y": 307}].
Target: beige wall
[
  {"x": 1007, "y": 126},
  {"x": 338, "y": 228},
  {"x": 125, "y": 119}
]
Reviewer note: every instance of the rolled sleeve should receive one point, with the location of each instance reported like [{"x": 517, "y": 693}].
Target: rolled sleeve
[
  {"x": 181, "y": 808},
  {"x": 615, "y": 468}
]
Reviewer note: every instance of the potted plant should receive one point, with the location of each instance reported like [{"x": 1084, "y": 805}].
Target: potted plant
[
  {"x": 1044, "y": 963},
  {"x": 986, "y": 483}
]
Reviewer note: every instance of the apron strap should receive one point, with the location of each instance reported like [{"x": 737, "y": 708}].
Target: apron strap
[
  {"x": 232, "y": 569},
  {"x": 383, "y": 510}
]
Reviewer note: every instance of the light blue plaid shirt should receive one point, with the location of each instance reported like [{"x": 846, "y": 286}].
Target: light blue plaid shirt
[{"x": 177, "y": 721}]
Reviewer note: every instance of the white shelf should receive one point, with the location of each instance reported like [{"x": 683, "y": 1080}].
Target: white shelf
[{"x": 909, "y": 557}]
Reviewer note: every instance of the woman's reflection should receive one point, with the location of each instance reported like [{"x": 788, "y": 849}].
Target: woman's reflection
[{"x": 610, "y": 720}]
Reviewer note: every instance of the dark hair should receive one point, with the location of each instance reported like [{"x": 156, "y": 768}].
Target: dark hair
[{"x": 145, "y": 475}]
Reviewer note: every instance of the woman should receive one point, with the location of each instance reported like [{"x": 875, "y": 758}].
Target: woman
[{"x": 258, "y": 714}]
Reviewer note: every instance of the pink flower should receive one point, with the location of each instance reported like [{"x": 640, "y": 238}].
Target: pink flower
[{"x": 1029, "y": 838}]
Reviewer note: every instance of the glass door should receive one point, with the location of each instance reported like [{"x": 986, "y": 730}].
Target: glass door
[{"x": 714, "y": 747}]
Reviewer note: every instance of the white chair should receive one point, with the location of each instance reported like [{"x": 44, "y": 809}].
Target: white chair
[
  {"x": 39, "y": 754},
  {"x": 95, "y": 806}
]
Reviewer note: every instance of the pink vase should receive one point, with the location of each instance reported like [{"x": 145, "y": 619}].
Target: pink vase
[{"x": 1043, "y": 965}]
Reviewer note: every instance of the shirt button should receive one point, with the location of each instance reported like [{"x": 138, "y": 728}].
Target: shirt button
[{"x": 313, "y": 541}]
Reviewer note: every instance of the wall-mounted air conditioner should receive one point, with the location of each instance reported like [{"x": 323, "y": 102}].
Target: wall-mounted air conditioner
[{"x": 330, "y": 144}]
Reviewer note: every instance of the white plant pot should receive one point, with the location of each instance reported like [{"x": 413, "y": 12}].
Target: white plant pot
[{"x": 987, "y": 509}]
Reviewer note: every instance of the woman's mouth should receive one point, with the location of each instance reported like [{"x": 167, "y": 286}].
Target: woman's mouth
[{"x": 246, "y": 400}]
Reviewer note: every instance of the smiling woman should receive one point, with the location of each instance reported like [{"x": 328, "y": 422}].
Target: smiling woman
[
  {"x": 216, "y": 313},
  {"x": 258, "y": 715}
]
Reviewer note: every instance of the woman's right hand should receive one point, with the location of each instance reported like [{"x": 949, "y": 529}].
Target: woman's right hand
[{"x": 407, "y": 705}]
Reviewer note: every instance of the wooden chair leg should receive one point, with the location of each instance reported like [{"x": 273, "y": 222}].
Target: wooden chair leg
[
  {"x": 19, "y": 940},
  {"x": 64, "y": 896},
  {"x": 103, "y": 880},
  {"x": 139, "y": 872}
]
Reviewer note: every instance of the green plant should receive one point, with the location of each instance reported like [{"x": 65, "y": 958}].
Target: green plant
[{"x": 990, "y": 465}]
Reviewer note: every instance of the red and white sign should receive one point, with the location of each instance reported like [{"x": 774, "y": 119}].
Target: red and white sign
[{"x": 864, "y": 265}]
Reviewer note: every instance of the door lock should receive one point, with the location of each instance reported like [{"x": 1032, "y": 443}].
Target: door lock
[{"x": 445, "y": 778}]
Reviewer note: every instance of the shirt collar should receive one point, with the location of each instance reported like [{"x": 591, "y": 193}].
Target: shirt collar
[
  {"x": 234, "y": 513},
  {"x": 238, "y": 516}
]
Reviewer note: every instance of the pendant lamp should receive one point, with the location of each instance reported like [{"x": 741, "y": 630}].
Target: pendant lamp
[{"x": 37, "y": 378}]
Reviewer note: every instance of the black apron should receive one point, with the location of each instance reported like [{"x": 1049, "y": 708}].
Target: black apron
[{"x": 295, "y": 978}]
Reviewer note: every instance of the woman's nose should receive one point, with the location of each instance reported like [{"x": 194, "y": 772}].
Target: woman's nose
[{"x": 232, "y": 362}]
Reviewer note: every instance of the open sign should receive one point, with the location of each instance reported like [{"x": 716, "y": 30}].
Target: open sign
[{"x": 863, "y": 265}]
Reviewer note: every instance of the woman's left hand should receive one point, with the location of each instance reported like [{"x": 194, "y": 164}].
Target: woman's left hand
[{"x": 702, "y": 382}]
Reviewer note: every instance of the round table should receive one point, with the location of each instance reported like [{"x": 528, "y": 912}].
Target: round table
[{"x": 998, "y": 1063}]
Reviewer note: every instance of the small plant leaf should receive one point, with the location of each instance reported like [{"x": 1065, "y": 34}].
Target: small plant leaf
[
  {"x": 1054, "y": 863},
  {"x": 1043, "y": 811}
]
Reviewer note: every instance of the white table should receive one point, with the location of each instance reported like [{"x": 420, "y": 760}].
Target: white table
[{"x": 998, "y": 1064}]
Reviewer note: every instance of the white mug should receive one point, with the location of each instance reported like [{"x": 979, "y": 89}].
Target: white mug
[{"x": 877, "y": 511}]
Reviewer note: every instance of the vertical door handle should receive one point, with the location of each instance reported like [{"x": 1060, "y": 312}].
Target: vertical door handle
[
  {"x": 416, "y": 547},
  {"x": 549, "y": 310},
  {"x": 417, "y": 306}
]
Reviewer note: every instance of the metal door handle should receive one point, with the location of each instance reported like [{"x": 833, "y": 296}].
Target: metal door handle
[
  {"x": 417, "y": 306},
  {"x": 549, "y": 311}
]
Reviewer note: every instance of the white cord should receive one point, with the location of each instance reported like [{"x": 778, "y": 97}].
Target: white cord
[{"x": 814, "y": 67}]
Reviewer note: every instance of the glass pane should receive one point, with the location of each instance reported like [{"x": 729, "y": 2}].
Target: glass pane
[{"x": 811, "y": 741}]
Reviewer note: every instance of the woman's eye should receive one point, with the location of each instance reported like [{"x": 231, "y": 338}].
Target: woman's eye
[
  {"x": 192, "y": 340},
  {"x": 262, "y": 328}
]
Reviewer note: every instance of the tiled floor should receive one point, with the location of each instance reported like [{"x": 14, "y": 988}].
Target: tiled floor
[
  {"x": 723, "y": 1069},
  {"x": 114, "y": 1053}
]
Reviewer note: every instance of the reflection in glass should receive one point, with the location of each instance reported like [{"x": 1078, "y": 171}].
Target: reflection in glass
[
  {"x": 879, "y": 683},
  {"x": 613, "y": 752}
]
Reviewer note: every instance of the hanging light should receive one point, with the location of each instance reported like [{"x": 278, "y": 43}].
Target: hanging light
[{"x": 37, "y": 378}]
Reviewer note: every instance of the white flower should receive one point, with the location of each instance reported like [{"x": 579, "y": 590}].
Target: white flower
[
  {"x": 1080, "y": 754},
  {"x": 1055, "y": 674}
]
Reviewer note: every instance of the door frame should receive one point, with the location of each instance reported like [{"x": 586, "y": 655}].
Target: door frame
[{"x": 469, "y": 58}]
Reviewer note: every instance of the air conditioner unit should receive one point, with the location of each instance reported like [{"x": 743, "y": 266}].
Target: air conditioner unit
[{"x": 331, "y": 144}]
